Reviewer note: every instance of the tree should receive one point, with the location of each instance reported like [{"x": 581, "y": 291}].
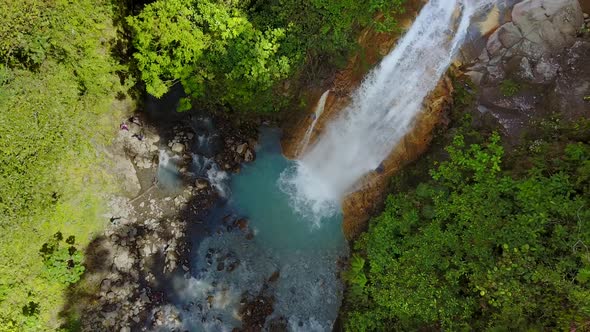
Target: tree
[
  {"x": 478, "y": 248},
  {"x": 211, "y": 48}
]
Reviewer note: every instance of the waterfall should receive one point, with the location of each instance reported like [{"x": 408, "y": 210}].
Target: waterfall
[
  {"x": 319, "y": 109},
  {"x": 382, "y": 110}
]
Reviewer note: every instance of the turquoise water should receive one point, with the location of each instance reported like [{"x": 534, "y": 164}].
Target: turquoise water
[
  {"x": 255, "y": 194},
  {"x": 307, "y": 292}
]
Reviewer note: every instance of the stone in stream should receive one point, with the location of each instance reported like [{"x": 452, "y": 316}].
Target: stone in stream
[
  {"x": 242, "y": 148},
  {"x": 178, "y": 147},
  {"x": 274, "y": 277},
  {"x": 248, "y": 156},
  {"x": 233, "y": 265},
  {"x": 201, "y": 184},
  {"x": 242, "y": 224},
  {"x": 220, "y": 266}
]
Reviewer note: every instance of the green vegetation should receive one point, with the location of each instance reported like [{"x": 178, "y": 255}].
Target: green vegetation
[
  {"x": 63, "y": 84},
  {"x": 509, "y": 88},
  {"x": 480, "y": 239},
  {"x": 234, "y": 53},
  {"x": 58, "y": 82}
]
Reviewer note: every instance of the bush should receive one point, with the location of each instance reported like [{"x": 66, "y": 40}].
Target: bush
[
  {"x": 477, "y": 248},
  {"x": 58, "y": 79},
  {"x": 235, "y": 53},
  {"x": 509, "y": 88}
]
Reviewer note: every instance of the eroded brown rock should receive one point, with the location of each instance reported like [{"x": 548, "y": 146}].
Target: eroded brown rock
[{"x": 360, "y": 205}]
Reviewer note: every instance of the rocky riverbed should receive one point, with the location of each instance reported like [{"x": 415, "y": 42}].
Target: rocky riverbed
[{"x": 165, "y": 194}]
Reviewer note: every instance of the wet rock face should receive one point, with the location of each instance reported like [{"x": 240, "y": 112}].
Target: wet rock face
[
  {"x": 375, "y": 45},
  {"x": 359, "y": 206}
]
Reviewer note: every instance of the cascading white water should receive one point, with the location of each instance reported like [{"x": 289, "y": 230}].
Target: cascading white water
[
  {"x": 167, "y": 174},
  {"x": 382, "y": 110},
  {"x": 208, "y": 168},
  {"x": 319, "y": 109}
]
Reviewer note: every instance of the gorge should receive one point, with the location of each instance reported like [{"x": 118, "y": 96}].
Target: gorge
[{"x": 326, "y": 165}]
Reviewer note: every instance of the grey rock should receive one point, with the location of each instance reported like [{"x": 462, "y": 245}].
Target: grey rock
[
  {"x": 105, "y": 285},
  {"x": 508, "y": 35},
  {"x": 126, "y": 174},
  {"x": 545, "y": 71},
  {"x": 178, "y": 147},
  {"x": 242, "y": 148},
  {"x": 525, "y": 72},
  {"x": 494, "y": 46},
  {"x": 248, "y": 156},
  {"x": 123, "y": 260},
  {"x": 549, "y": 23}
]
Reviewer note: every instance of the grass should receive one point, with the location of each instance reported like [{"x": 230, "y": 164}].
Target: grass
[{"x": 509, "y": 88}]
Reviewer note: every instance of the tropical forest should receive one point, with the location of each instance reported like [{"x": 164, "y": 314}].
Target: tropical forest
[{"x": 294, "y": 165}]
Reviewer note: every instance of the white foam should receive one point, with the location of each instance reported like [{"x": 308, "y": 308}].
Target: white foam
[{"x": 382, "y": 110}]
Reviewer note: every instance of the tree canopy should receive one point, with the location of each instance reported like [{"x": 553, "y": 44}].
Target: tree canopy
[
  {"x": 58, "y": 79},
  {"x": 234, "y": 53},
  {"x": 478, "y": 247}
]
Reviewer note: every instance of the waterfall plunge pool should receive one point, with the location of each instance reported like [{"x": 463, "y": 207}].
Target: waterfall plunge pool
[{"x": 289, "y": 259}]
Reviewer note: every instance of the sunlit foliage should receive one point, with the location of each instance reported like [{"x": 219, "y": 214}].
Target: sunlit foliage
[
  {"x": 58, "y": 79},
  {"x": 481, "y": 248},
  {"x": 233, "y": 53}
]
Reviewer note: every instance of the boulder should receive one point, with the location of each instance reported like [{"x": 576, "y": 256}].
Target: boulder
[
  {"x": 123, "y": 260},
  {"x": 242, "y": 148},
  {"x": 126, "y": 174},
  {"x": 248, "y": 156},
  {"x": 559, "y": 18},
  {"x": 508, "y": 35},
  {"x": 549, "y": 23},
  {"x": 178, "y": 147},
  {"x": 539, "y": 28},
  {"x": 201, "y": 184},
  {"x": 242, "y": 224}
]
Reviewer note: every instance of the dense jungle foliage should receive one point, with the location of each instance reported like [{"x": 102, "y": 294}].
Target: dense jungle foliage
[
  {"x": 480, "y": 239},
  {"x": 58, "y": 88},
  {"x": 234, "y": 53},
  {"x": 64, "y": 79}
]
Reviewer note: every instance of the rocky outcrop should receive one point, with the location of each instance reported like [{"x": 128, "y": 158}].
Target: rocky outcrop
[
  {"x": 528, "y": 66},
  {"x": 522, "y": 48},
  {"x": 127, "y": 152},
  {"x": 145, "y": 243}
]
